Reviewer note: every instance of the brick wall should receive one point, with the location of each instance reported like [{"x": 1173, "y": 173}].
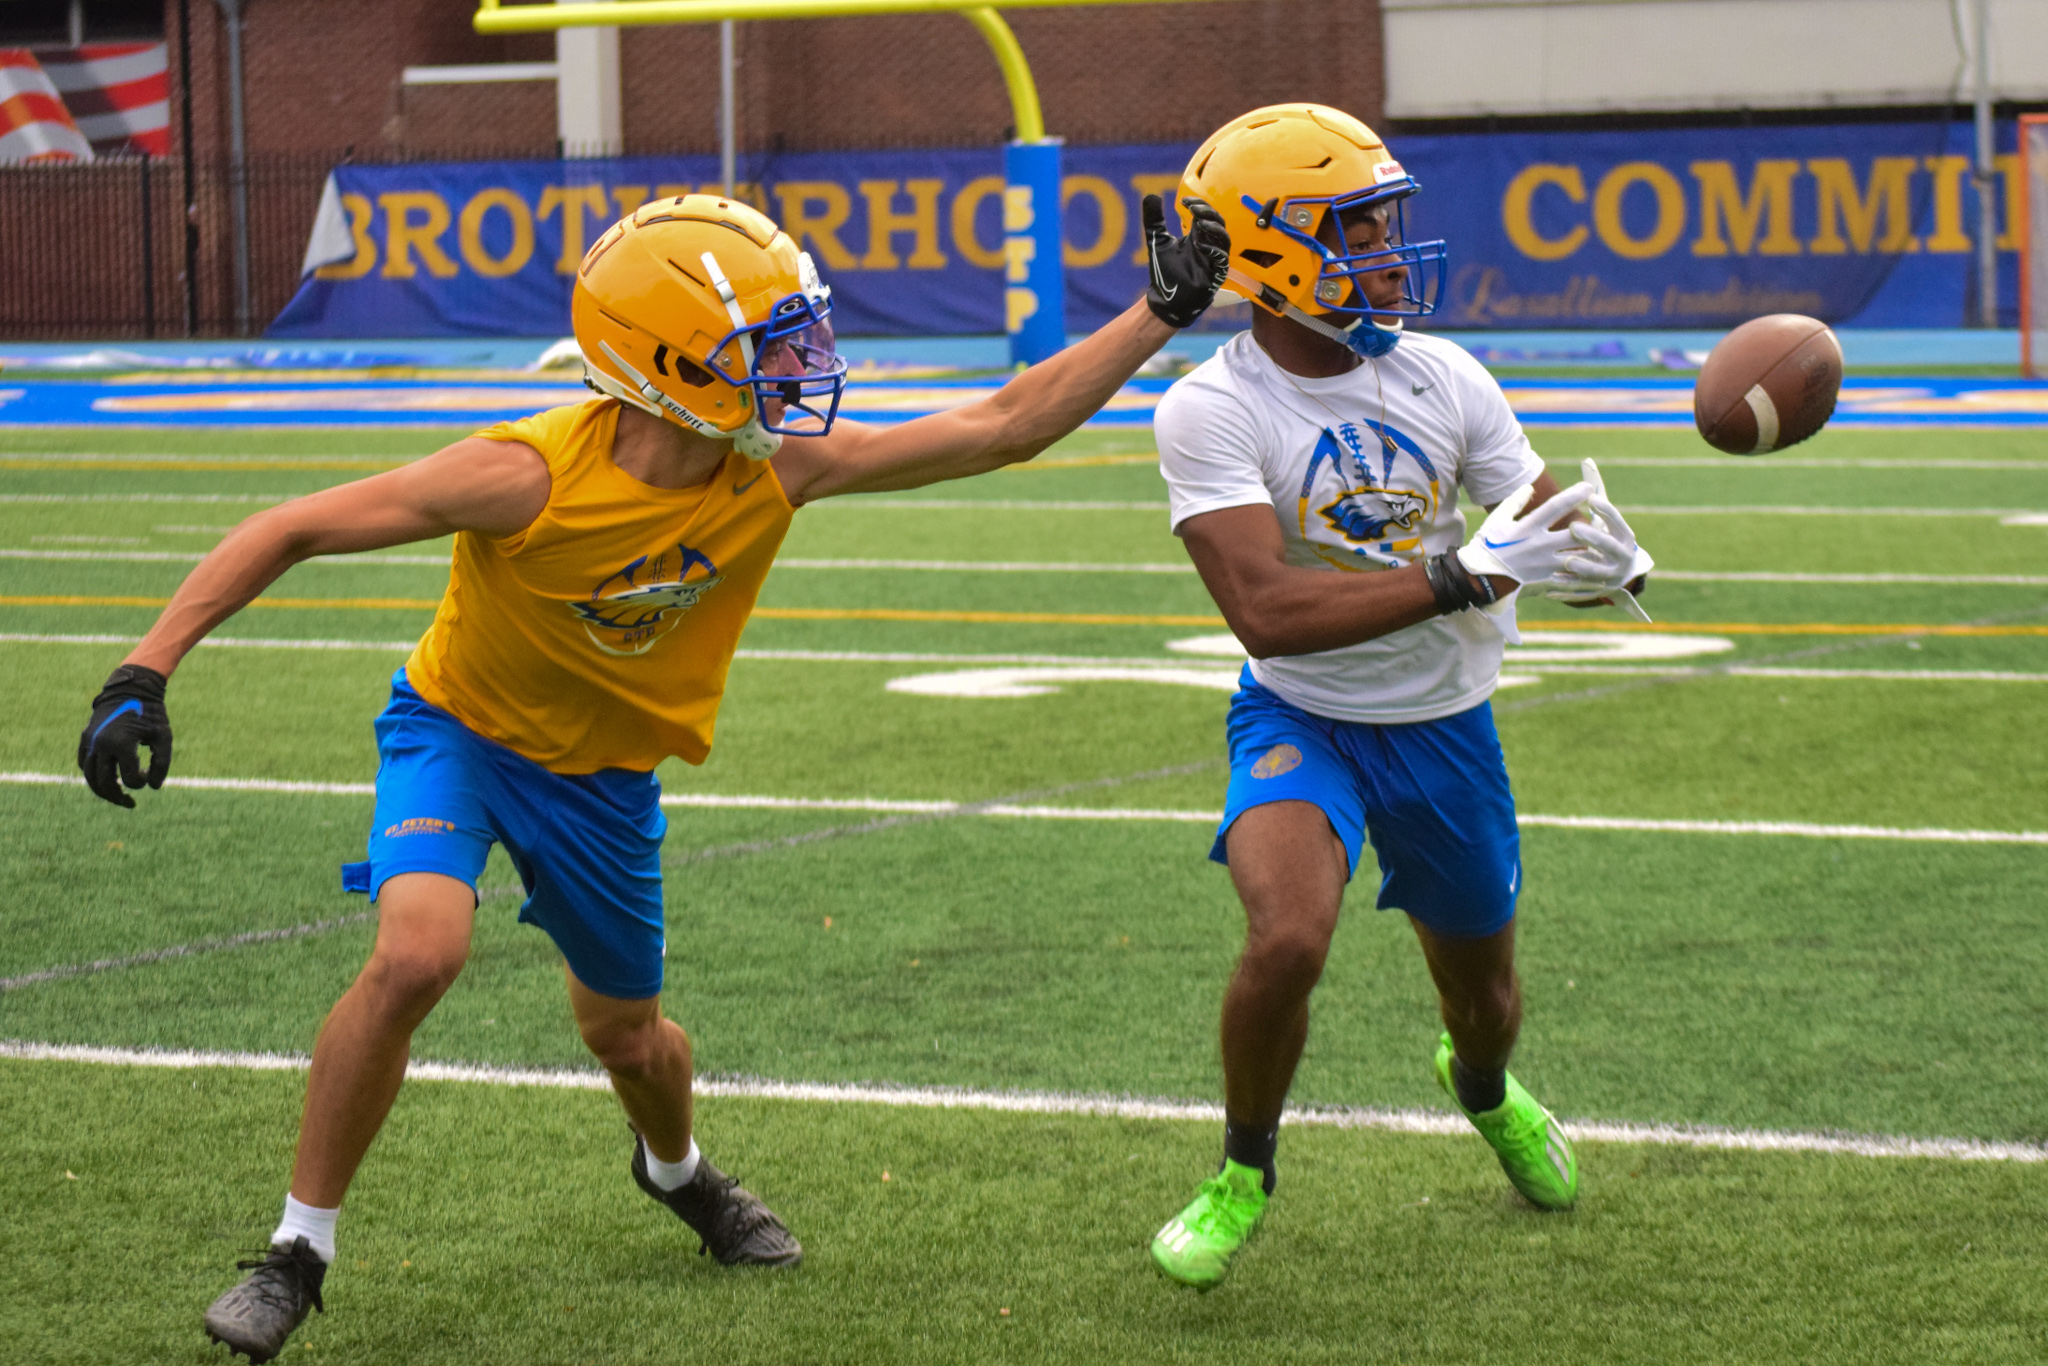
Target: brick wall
[
  {"x": 322, "y": 75},
  {"x": 1144, "y": 73},
  {"x": 322, "y": 78}
]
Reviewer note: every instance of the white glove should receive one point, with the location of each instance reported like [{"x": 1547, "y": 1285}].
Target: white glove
[
  {"x": 1523, "y": 548},
  {"x": 1609, "y": 558}
]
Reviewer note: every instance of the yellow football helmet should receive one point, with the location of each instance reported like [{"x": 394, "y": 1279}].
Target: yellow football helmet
[
  {"x": 1290, "y": 180},
  {"x": 699, "y": 309}
]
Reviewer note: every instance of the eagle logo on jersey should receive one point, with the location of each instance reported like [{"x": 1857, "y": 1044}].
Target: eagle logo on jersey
[
  {"x": 1375, "y": 489},
  {"x": 644, "y": 601},
  {"x": 1369, "y": 514}
]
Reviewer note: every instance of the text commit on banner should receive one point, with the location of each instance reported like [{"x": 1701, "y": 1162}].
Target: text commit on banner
[{"x": 1869, "y": 225}]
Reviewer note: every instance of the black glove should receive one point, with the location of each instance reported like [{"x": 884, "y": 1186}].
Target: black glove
[
  {"x": 128, "y": 713},
  {"x": 1186, "y": 271}
]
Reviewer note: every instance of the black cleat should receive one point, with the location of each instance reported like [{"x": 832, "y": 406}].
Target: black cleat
[
  {"x": 731, "y": 1221},
  {"x": 257, "y": 1316}
]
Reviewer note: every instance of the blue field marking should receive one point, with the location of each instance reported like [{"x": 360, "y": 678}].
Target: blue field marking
[
  {"x": 1893, "y": 348},
  {"x": 324, "y": 401}
]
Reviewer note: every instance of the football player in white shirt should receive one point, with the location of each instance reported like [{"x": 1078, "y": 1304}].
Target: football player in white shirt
[{"x": 1314, "y": 467}]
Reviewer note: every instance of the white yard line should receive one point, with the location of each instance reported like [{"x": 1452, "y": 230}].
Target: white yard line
[
  {"x": 1074, "y": 567},
  {"x": 1111, "y": 661},
  {"x": 214, "y": 642},
  {"x": 1428, "y": 1122},
  {"x": 195, "y": 556},
  {"x": 975, "y": 504},
  {"x": 1789, "y": 576},
  {"x": 1765, "y": 671},
  {"x": 1796, "y": 510},
  {"x": 1657, "y": 509},
  {"x": 209, "y": 784},
  {"x": 1648, "y": 462},
  {"x": 1797, "y": 828},
  {"x": 147, "y": 497},
  {"x": 990, "y": 566},
  {"x": 1916, "y": 834},
  {"x": 803, "y": 656},
  {"x": 1780, "y": 462}
]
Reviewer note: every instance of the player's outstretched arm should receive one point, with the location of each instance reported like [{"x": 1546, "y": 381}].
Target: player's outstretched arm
[
  {"x": 495, "y": 487},
  {"x": 1275, "y": 608},
  {"x": 1036, "y": 408}
]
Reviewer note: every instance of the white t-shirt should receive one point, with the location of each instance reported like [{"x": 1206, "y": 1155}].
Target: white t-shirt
[{"x": 1240, "y": 431}]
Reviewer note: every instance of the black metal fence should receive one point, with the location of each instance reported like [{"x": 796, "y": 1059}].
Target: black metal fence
[
  {"x": 145, "y": 247},
  {"x": 136, "y": 248}
]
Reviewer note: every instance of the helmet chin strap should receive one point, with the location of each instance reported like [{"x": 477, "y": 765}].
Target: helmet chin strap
[
  {"x": 753, "y": 441},
  {"x": 643, "y": 395},
  {"x": 1367, "y": 336}
]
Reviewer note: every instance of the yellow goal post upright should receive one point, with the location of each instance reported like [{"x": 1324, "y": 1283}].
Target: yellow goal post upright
[
  {"x": 2032, "y": 213},
  {"x": 1034, "y": 293}
]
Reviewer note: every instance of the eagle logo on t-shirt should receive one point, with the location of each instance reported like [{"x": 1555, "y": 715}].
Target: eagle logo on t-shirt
[
  {"x": 1369, "y": 514},
  {"x": 1374, "y": 492},
  {"x": 644, "y": 601}
]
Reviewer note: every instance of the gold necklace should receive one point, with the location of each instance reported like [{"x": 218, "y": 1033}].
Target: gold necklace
[{"x": 1393, "y": 451}]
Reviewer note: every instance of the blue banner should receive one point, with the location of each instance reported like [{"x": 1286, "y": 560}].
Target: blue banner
[
  {"x": 1867, "y": 225},
  {"x": 912, "y": 243},
  {"x": 1870, "y": 225}
]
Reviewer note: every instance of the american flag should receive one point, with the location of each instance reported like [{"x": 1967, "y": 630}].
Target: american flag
[{"x": 73, "y": 103}]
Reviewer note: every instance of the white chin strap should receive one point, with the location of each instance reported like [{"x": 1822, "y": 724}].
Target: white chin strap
[
  {"x": 1374, "y": 345},
  {"x": 750, "y": 441},
  {"x": 753, "y": 441},
  {"x": 644, "y": 395}
]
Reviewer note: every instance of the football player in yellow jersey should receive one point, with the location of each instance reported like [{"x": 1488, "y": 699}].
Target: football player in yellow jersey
[{"x": 607, "y": 556}]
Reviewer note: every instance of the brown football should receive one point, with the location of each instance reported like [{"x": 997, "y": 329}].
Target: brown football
[{"x": 1771, "y": 383}]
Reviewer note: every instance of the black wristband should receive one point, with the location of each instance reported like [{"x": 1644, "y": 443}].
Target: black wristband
[
  {"x": 1456, "y": 587},
  {"x": 1448, "y": 599}
]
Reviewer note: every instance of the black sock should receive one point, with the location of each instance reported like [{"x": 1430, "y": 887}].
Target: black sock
[
  {"x": 1253, "y": 1147},
  {"x": 1478, "y": 1091}
]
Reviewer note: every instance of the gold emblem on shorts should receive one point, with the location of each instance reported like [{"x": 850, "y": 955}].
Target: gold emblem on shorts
[{"x": 1276, "y": 761}]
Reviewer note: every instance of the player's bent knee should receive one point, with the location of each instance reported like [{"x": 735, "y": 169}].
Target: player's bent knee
[
  {"x": 411, "y": 980},
  {"x": 1294, "y": 955},
  {"x": 628, "y": 1050}
]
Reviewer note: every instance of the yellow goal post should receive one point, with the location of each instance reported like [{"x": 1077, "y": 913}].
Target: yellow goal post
[
  {"x": 1034, "y": 278},
  {"x": 2031, "y": 214}
]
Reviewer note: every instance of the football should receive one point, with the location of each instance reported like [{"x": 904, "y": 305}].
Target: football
[{"x": 1769, "y": 384}]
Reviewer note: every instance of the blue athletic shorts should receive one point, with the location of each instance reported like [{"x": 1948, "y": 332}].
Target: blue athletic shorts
[
  {"x": 587, "y": 846},
  {"x": 1432, "y": 795}
]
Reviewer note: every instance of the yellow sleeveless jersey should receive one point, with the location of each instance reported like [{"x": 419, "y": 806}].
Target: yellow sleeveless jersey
[{"x": 599, "y": 637}]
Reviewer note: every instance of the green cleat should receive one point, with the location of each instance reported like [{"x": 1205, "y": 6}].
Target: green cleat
[
  {"x": 1527, "y": 1138},
  {"x": 1197, "y": 1244}
]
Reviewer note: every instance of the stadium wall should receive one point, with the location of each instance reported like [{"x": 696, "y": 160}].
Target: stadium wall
[{"x": 324, "y": 83}]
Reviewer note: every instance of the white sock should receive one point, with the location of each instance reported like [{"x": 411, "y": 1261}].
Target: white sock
[
  {"x": 670, "y": 1175},
  {"x": 316, "y": 1226}
]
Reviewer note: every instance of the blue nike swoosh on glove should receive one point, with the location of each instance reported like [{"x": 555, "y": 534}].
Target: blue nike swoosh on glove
[
  {"x": 1502, "y": 545},
  {"x": 131, "y": 705}
]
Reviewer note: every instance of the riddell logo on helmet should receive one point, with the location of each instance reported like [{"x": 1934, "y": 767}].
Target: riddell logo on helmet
[{"x": 1386, "y": 171}]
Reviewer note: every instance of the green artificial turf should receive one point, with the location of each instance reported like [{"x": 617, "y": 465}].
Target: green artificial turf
[
  {"x": 1867, "y": 986},
  {"x": 499, "y": 1226}
]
